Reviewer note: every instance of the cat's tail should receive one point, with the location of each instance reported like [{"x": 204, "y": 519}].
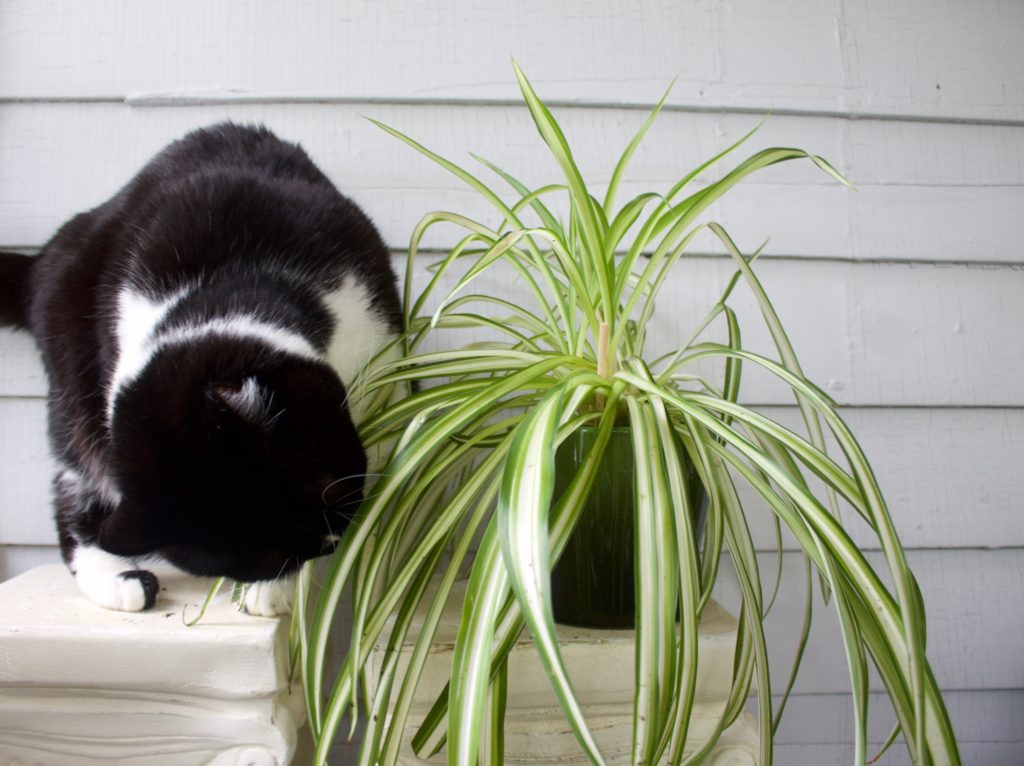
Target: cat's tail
[{"x": 15, "y": 270}]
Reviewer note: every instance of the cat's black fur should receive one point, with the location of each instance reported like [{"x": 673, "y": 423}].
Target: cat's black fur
[{"x": 174, "y": 466}]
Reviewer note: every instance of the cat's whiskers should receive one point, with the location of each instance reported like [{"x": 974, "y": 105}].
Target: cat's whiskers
[
  {"x": 284, "y": 566},
  {"x": 323, "y": 495},
  {"x": 331, "y": 534}
]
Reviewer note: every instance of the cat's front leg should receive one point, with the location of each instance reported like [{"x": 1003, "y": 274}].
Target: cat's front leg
[
  {"x": 113, "y": 582},
  {"x": 269, "y": 598}
]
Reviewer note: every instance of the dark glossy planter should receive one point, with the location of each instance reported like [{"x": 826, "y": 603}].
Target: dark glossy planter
[{"x": 592, "y": 585}]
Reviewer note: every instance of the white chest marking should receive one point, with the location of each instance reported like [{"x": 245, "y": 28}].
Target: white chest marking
[{"x": 359, "y": 333}]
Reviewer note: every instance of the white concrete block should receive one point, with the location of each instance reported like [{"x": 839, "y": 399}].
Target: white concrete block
[
  {"x": 600, "y": 664},
  {"x": 83, "y": 685}
]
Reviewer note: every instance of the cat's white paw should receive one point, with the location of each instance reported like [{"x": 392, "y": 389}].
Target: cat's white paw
[
  {"x": 113, "y": 582},
  {"x": 136, "y": 591},
  {"x": 269, "y": 598}
]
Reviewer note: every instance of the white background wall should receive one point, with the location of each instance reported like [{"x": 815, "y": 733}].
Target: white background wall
[{"x": 905, "y": 298}]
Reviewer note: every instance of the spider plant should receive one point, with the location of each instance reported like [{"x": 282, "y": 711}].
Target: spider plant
[{"x": 469, "y": 482}]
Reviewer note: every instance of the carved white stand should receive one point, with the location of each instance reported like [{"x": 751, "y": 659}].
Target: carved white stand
[
  {"x": 600, "y": 663},
  {"x": 83, "y": 685}
]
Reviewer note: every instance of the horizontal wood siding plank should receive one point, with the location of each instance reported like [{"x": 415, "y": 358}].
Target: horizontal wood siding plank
[
  {"x": 986, "y": 753},
  {"x": 867, "y": 58},
  {"x": 26, "y": 472},
  {"x": 950, "y": 476},
  {"x": 21, "y": 371},
  {"x": 978, "y": 718},
  {"x": 15, "y": 559},
  {"x": 973, "y": 607},
  {"x": 869, "y": 334},
  {"x": 925, "y": 191}
]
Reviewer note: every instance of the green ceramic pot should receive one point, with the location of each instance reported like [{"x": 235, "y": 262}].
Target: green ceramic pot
[{"x": 593, "y": 584}]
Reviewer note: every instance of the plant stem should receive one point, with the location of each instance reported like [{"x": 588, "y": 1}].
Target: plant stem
[{"x": 605, "y": 361}]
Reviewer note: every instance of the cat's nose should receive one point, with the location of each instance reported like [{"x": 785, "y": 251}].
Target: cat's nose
[{"x": 330, "y": 542}]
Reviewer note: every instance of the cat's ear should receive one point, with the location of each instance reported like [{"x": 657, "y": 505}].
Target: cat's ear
[
  {"x": 130, "y": 530},
  {"x": 251, "y": 401}
]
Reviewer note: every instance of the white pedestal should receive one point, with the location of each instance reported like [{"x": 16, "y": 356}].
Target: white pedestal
[
  {"x": 83, "y": 685},
  {"x": 600, "y": 663}
]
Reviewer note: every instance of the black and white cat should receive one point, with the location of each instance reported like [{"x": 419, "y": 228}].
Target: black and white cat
[{"x": 200, "y": 332}]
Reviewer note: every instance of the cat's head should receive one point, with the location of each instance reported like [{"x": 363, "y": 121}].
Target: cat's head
[{"x": 233, "y": 460}]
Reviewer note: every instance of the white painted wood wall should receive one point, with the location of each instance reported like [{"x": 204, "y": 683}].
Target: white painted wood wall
[{"x": 905, "y": 298}]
